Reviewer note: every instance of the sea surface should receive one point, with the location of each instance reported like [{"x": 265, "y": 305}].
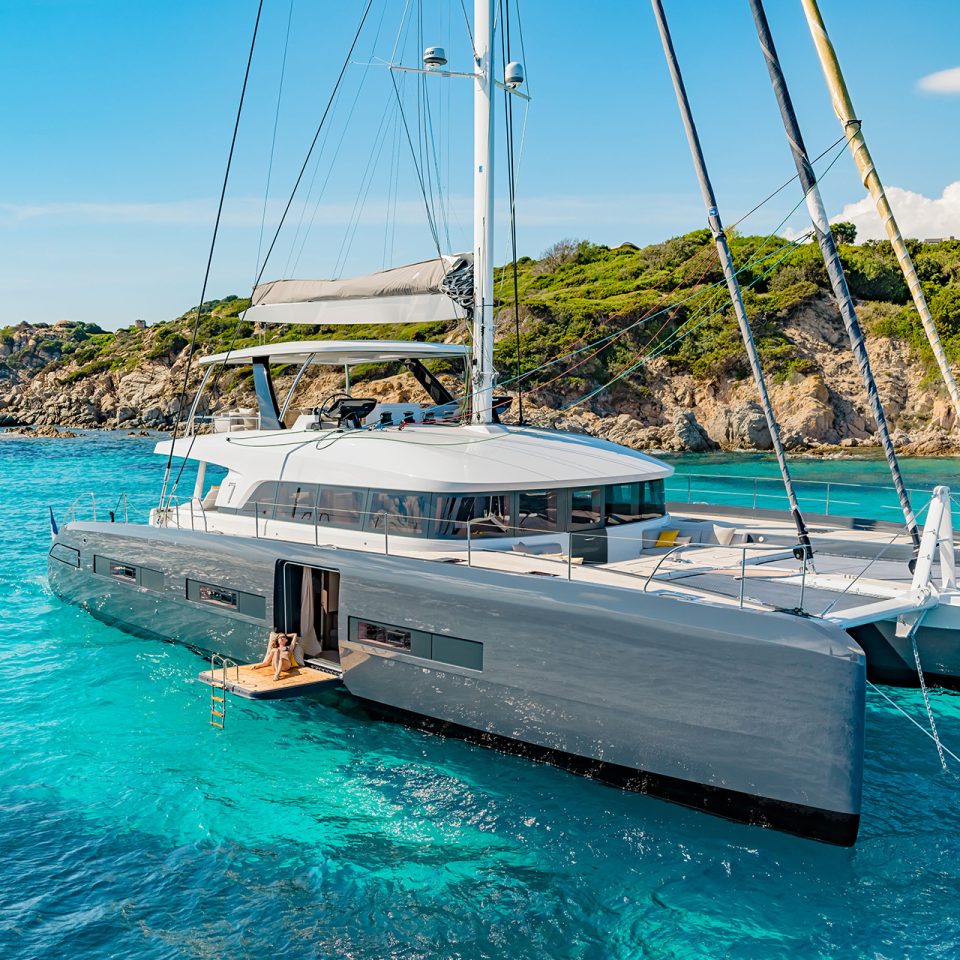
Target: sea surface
[{"x": 130, "y": 828}]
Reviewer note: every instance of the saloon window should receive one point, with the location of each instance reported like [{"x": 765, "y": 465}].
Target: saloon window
[
  {"x": 262, "y": 499},
  {"x": 654, "y": 499},
  {"x": 586, "y": 507},
  {"x": 537, "y": 510},
  {"x": 402, "y": 513},
  {"x": 295, "y": 502},
  {"x": 488, "y": 515},
  {"x": 340, "y": 506},
  {"x": 623, "y": 503}
]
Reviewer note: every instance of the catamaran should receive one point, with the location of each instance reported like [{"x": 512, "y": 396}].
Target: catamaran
[{"x": 523, "y": 587}]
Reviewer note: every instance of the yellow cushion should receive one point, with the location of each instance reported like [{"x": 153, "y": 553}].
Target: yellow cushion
[{"x": 667, "y": 538}]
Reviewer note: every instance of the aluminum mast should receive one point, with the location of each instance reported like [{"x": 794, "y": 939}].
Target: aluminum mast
[
  {"x": 483, "y": 372},
  {"x": 843, "y": 107},
  {"x": 831, "y": 258},
  {"x": 729, "y": 273}
]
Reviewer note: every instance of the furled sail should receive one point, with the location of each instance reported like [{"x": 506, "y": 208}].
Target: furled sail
[{"x": 438, "y": 289}]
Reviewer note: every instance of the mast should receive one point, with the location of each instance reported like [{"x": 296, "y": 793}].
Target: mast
[
  {"x": 483, "y": 372},
  {"x": 729, "y": 273},
  {"x": 831, "y": 258},
  {"x": 843, "y": 107}
]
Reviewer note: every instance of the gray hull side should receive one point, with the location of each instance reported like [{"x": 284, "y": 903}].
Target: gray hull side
[{"x": 759, "y": 704}]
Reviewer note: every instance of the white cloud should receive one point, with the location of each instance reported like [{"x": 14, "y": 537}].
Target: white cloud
[
  {"x": 943, "y": 81},
  {"x": 918, "y": 216}
]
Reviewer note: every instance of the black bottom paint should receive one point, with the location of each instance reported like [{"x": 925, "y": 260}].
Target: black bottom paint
[{"x": 809, "y": 822}]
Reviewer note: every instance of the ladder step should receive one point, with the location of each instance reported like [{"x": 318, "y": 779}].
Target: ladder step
[
  {"x": 216, "y": 713},
  {"x": 218, "y": 699}
]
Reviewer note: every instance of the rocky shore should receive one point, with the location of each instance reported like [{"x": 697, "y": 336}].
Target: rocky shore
[{"x": 70, "y": 376}]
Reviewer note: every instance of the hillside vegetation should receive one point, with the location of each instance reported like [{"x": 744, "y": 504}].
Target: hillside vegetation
[{"x": 663, "y": 307}]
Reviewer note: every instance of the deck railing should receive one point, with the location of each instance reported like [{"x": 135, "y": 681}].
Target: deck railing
[
  {"x": 391, "y": 534},
  {"x": 829, "y": 497}
]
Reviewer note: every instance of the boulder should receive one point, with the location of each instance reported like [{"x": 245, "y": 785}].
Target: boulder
[{"x": 689, "y": 435}]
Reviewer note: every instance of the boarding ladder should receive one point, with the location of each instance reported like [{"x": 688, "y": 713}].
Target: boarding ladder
[{"x": 218, "y": 688}]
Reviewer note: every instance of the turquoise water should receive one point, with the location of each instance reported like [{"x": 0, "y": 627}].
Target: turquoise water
[
  {"x": 131, "y": 828},
  {"x": 858, "y": 486}
]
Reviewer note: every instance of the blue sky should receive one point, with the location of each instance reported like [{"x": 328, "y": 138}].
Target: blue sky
[{"x": 117, "y": 117}]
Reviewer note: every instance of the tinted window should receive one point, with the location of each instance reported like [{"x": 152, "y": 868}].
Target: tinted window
[
  {"x": 401, "y": 513},
  {"x": 628, "y": 502},
  {"x": 537, "y": 510},
  {"x": 491, "y": 515},
  {"x": 623, "y": 504},
  {"x": 219, "y": 596},
  {"x": 585, "y": 507},
  {"x": 123, "y": 571},
  {"x": 339, "y": 506},
  {"x": 261, "y": 500},
  {"x": 295, "y": 502},
  {"x": 382, "y": 633},
  {"x": 654, "y": 504}
]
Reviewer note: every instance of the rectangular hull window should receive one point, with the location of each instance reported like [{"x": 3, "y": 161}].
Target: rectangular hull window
[
  {"x": 128, "y": 573},
  {"x": 418, "y": 643},
  {"x": 123, "y": 572},
  {"x": 212, "y": 594}
]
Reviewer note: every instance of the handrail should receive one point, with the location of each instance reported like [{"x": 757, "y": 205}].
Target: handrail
[
  {"x": 824, "y": 488},
  {"x": 72, "y": 509}
]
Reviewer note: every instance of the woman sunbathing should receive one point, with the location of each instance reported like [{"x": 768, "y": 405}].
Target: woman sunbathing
[{"x": 279, "y": 653}]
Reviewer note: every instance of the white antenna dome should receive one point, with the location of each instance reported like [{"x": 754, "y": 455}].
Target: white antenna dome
[
  {"x": 513, "y": 74},
  {"x": 434, "y": 57}
]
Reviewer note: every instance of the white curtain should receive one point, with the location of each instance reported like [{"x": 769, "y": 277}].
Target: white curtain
[{"x": 309, "y": 642}]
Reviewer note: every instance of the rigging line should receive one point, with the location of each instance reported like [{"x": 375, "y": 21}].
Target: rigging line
[
  {"x": 785, "y": 184},
  {"x": 396, "y": 42},
  {"x": 413, "y": 155},
  {"x": 213, "y": 244},
  {"x": 436, "y": 164},
  {"x": 365, "y": 183},
  {"x": 512, "y": 187},
  {"x": 273, "y": 140},
  {"x": 523, "y": 49},
  {"x": 921, "y": 728},
  {"x": 667, "y": 310},
  {"x": 391, "y": 179},
  {"x": 651, "y": 313},
  {"x": 669, "y": 343},
  {"x": 796, "y": 207},
  {"x": 466, "y": 18},
  {"x": 646, "y": 318},
  {"x": 236, "y": 329},
  {"x": 313, "y": 143},
  {"x": 333, "y": 162}
]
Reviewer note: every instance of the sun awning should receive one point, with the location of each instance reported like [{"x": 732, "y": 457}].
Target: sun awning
[
  {"x": 438, "y": 289},
  {"x": 340, "y": 352}
]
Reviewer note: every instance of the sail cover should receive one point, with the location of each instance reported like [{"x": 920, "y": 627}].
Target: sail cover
[{"x": 438, "y": 289}]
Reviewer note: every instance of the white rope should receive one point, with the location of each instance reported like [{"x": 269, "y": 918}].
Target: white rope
[{"x": 919, "y": 726}]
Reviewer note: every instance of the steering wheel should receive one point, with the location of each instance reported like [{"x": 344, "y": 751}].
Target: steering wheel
[{"x": 329, "y": 403}]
